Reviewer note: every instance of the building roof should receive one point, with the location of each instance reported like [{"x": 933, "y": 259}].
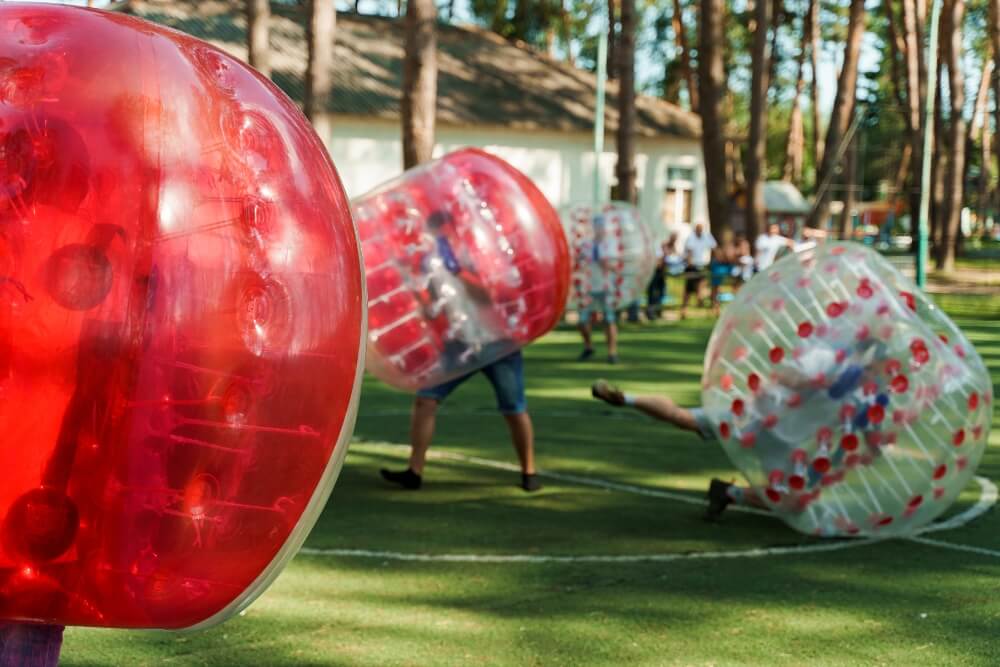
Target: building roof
[{"x": 483, "y": 79}]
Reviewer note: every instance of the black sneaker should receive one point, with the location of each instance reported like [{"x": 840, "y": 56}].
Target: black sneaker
[
  {"x": 608, "y": 393},
  {"x": 586, "y": 354},
  {"x": 530, "y": 482},
  {"x": 405, "y": 478},
  {"x": 718, "y": 499},
  {"x": 612, "y": 359}
]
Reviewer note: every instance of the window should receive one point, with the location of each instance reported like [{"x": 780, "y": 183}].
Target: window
[{"x": 678, "y": 196}]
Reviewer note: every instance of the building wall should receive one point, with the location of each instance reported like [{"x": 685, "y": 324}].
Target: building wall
[{"x": 369, "y": 152}]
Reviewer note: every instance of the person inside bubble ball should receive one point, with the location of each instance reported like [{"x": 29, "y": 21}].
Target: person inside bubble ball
[
  {"x": 449, "y": 286},
  {"x": 851, "y": 377},
  {"x": 599, "y": 300},
  {"x": 468, "y": 335}
]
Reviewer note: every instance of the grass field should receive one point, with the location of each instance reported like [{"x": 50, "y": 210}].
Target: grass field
[{"x": 893, "y": 603}]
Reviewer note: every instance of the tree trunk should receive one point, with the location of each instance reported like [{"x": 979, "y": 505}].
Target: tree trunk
[
  {"x": 955, "y": 196},
  {"x": 680, "y": 35},
  {"x": 419, "y": 96},
  {"x": 814, "y": 49},
  {"x": 756, "y": 166},
  {"x": 979, "y": 127},
  {"x": 840, "y": 119},
  {"x": 905, "y": 159},
  {"x": 625, "y": 170},
  {"x": 258, "y": 30},
  {"x": 940, "y": 155},
  {"x": 320, "y": 33},
  {"x": 612, "y": 40},
  {"x": 994, "y": 32},
  {"x": 712, "y": 89},
  {"x": 850, "y": 192},
  {"x": 913, "y": 59},
  {"x": 795, "y": 149},
  {"x": 897, "y": 49}
]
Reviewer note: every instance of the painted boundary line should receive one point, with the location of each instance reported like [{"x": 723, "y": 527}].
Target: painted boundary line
[
  {"x": 987, "y": 499},
  {"x": 586, "y": 558}
]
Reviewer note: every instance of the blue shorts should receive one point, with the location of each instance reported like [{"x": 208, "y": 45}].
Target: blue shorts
[
  {"x": 507, "y": 377},
  {"x": 600, "y": 302}
]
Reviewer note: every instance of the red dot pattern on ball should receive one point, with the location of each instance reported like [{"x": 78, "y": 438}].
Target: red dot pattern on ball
[
  {"x": 959, "y": 438},
  {"x": 876, "y": 414},
  {"x": 973, "y": 401},
  {"x": 805, "y": 330},
  {"x": 753, "y": 382},
  {"x": 776, "y": 355},
  {"x": 836, "y": 309},
  {"x": 900, "y": 384},
  {"x": 940, "y": 471},
  {"x": 849, "y": 442}
]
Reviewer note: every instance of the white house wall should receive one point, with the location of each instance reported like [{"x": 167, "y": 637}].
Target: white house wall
[{"x": 369, "y": 152}]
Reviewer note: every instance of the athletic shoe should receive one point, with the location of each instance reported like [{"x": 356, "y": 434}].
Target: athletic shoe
[
  {"x": 586, "y": 354},
  {"x": 405, "y": 478},
  {"x": 530, "y": 482},
  {"x": 718, "y": 499},
  {"x": 612, "y": 359},
  {"x": 608, "y": 393}
]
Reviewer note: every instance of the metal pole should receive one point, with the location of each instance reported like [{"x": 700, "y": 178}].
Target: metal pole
[
  {"x": 602, "y": 81},
  {"x": 923, "y": 224}
]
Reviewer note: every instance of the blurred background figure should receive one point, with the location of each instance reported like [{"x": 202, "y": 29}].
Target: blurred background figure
[{"x": 697, "y": 255}]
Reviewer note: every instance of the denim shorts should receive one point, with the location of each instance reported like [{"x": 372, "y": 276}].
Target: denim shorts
[
  {"x": 599, "y": 302},
  {"x": 507, "y": 377}
]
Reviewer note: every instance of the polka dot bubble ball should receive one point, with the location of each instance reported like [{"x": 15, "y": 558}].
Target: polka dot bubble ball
[
  {"x": 851, "y": 403},
  {"x": 613, "y": 255}
]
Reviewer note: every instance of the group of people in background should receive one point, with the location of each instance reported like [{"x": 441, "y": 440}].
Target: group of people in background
[{"x": 699, "y": 256}]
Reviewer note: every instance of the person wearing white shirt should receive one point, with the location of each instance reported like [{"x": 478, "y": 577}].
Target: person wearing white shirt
[
  {"x": 768, "y": 245},
  {"x": 698, "y": 254}
]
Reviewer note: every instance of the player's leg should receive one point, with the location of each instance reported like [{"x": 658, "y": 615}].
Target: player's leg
[
  {"x": 423, "y": 419},
  {"x": 611, "y": 328},
  {"x": 722, "y": 494},
  {"x": 660, "y": 408},
  {"x": 30, "y": 645},
  {"x": 507, "y": 378},
  {"x": 585, "y": 328}
]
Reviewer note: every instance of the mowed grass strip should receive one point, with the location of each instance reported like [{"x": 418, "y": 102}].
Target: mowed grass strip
[{"x": 896, "y": 603}]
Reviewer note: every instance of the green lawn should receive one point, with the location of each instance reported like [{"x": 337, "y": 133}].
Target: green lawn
[{"x": 896, "y": 603}]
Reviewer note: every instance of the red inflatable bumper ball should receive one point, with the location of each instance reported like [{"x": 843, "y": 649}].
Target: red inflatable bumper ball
[
  {"x": 181, "y": 320},
  {"x": 466, "y": 263}
]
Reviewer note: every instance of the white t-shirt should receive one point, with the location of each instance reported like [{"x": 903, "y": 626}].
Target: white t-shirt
[
  {"x": 700, "y": 248},
  {"x": 767, "y": 248}
]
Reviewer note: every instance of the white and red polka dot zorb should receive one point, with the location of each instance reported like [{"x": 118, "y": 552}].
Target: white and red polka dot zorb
[
  {"x": 848, "y": 400},
  {"x": 612, "y": 252}
]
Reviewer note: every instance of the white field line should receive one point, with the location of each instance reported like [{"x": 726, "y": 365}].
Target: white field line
[
  {"x": 587, "y": 558},
  {"x": 987, "y": 499}
]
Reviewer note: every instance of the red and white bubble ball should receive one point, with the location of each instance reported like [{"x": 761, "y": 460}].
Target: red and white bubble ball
[
  {"x": 613, "y": 252},
  {"x": 851, "y": 403},
  {"x": 181, "y": 321},
  {"x": 466, "y": 263}
]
